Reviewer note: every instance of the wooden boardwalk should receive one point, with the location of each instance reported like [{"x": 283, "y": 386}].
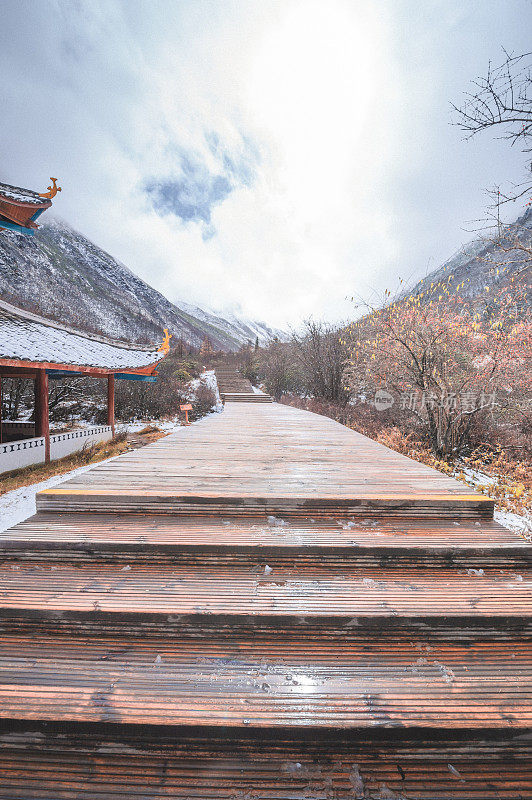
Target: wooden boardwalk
[
  {"x": 264, "y": 605},
  {"x": 267, "y": 459}
]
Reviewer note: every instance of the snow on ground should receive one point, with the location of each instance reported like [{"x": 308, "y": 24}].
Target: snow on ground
[
  {"x": 19, "y": 504},
  {"x": 256, "y": 390},
  {"x": 518, "y": 523},
  {"x": 208, "y": 379},
  {"x": 476, "y": 478},
  {"x": 167, "y": 425},
  {"x": 515, "y": 522}
]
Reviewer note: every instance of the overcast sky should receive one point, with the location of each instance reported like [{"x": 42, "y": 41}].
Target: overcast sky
[{"x": 270, "y": 158}]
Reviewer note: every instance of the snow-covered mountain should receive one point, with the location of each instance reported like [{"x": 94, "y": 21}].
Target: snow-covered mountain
[
  {"x": 62, "y": 275},
  {"x": 483, "y": 264}
]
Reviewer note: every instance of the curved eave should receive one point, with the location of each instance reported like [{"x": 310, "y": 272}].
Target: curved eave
[
  {"x": 20, "y": 215},
  {"x": 30, "y": 206}
]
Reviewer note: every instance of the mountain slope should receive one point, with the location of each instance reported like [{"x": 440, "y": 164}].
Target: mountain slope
[
  {"x": 62, "y": 275},
  {"x": 484, "y": 266}
]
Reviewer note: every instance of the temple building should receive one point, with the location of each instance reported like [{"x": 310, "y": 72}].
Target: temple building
[
  {"x": 20, "y": 208},
  {"x": 42, "y": 350}
]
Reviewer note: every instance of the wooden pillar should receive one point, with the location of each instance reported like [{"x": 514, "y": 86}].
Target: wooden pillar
[
  {"x": 0, "y": 409},
  {"x": 42, "y": 422},
  {"x": 111, "y": 402}
]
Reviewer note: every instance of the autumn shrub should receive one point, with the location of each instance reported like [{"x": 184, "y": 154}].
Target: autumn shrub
[{"x": 458, "y": 371}]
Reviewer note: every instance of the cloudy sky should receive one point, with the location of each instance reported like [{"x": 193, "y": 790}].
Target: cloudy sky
[{"x": 269, "y": 157}]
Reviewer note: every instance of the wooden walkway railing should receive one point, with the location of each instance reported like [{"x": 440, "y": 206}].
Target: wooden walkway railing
[{"x": 264, "y": 605}]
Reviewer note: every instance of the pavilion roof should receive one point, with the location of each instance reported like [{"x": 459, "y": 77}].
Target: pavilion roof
[
  {"x": 26, "y": 338},
  {"x": 22, "y": 195}
]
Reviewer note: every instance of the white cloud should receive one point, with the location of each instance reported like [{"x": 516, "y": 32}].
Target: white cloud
[{"x": 328, "y": 120}]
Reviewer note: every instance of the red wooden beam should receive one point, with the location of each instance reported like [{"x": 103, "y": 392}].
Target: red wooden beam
[
  {"x": 111, "y": 402},
  {"x": 94, "y": 371},
  {"x": 42, "y": 422},
  {"x": 40, "y": 365}
]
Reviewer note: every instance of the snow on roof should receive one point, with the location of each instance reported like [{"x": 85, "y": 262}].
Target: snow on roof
[
  {"x": 27, "y": 337},
  {"x": 21, "y": 195}
]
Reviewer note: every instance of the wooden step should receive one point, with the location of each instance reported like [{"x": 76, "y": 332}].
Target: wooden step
[
  {"x": 256, "y": 591},
  {"x": 79, "y": 495},
  {"x": 230, "y": 381},
  {"x": 74, "y": 764},
  {"x": 245, "y": 397},
  {"x": 289, "y": 465},
  {"x": 284, "y": 682},
  {"x": 337, "y": 542}
]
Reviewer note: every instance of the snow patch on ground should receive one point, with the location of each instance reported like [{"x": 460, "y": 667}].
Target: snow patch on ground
[
  {"x": 208, "y": 379},
  {"x": 167, "y": 425},
  {"x": 477, "y": 478},
  {"x": 518, "y": 523},
  {"x": 19, "y": 504}
]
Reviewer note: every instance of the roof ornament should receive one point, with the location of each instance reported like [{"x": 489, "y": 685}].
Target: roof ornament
[
  {"x": 165, "y": 344},
  {"x": 52, "y": 190}
]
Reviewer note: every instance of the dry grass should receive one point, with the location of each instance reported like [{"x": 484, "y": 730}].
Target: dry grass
[
  {"x": 88, "y": 455},
  {"x": 149, "y": 429},
  {"x": 509, "y": 480}
]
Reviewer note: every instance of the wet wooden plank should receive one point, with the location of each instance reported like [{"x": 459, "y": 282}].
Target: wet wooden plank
[
  {"x": 363, "y": 683},
  {"x": 255, "y": 589},
  {"x": 78, "y": 766},
  {"x": 334, "y": 536},
  {"x": 271, "y": 459}
]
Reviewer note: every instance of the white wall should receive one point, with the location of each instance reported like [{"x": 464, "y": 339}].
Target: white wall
[
  {"x": 21, "y": 453},
  {"x": 14, "y": 455},
  {"x": 62, "y": 444}
]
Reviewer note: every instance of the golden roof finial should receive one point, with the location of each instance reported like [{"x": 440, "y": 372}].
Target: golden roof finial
[
  {"x": 52, "y": 190},
  {"x": 165, "y": 344}
]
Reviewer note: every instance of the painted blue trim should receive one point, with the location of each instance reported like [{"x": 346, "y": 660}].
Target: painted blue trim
[
  {"x": 19, "y": 228},
  {"x": 57, "y": 374},
  {"x": 37, "y": 214},
  {"x": 129, "y": 376}
]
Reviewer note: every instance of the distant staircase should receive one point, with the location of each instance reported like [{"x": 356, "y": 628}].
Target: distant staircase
[{"x": 234, "y": 388}]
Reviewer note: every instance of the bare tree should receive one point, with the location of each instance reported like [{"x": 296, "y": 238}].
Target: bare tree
[
  {"x": 17, "y": 394},
  {"x": 502, "y": 101},
  {"x": 279, "y": 369},
  {"x": 322, "y": 357}
]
